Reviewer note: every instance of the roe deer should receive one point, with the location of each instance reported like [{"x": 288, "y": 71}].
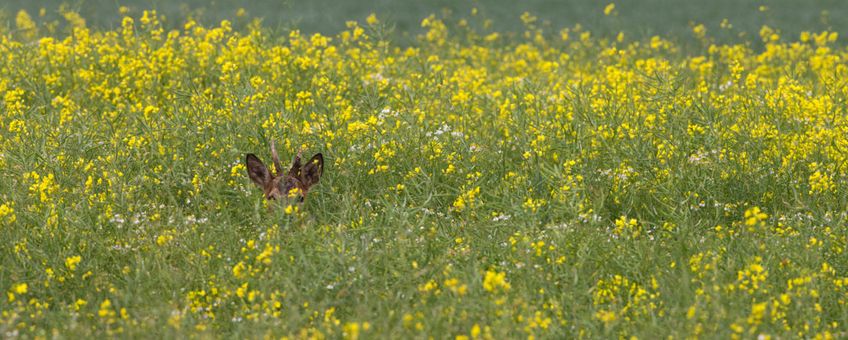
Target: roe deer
[{"x": 297, "y": 181}]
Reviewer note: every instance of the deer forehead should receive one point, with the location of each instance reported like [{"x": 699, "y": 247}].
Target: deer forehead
[
  {"x": 291, "y": 180},
  {"x": 274, "y": 183}
]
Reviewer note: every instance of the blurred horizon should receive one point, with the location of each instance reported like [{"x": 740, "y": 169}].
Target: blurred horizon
[{"x": 637, "y": 19}]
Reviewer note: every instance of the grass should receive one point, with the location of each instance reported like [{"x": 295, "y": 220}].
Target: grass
[
  {"x": 480, "y": 182},
  {"x": 637, "y": 18}
]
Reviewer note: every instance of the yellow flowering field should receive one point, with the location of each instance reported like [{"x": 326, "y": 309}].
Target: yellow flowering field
[{"x": 477, "y": 184}]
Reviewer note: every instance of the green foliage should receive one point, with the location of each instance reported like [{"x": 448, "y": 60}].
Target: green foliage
[{"x": 549, "y": 183}]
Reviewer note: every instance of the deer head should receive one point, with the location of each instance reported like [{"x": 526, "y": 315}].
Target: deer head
[{"x": 296, "y": 182}]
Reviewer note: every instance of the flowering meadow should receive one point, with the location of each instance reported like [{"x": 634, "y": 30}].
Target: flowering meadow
[{"x": 552, "y": 183}]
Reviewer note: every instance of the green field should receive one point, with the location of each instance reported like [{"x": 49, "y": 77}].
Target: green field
[
  {"x": 640, "y": 18},
  {"x": 579, "y": 171}
]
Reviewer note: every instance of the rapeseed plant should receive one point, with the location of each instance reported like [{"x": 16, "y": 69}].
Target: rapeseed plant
[{"x": 477, "y": 184}]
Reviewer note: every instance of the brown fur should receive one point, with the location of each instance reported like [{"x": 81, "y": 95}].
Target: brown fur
[{"x": 279, "y": 185}]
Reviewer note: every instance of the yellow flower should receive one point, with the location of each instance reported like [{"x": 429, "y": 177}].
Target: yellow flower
[
  {"x": 238, "y": 269},
  {"x": 25, "y": 24},
  {"x": 71, "y": 262},
  {"x": 466, "y": 199},
  {"x": 294, "y": 192},
  {"x": 351, "y": 330},
  {"x": 820, "y": 183},
  {"x": 495, "y": 281},
  {"x": 755, "y": 217},
  {"x": 625, "y": 226},
  {"x": 609, "y": 9},
  {"x": 20, "y": 288},
  {"x": 105, "y": 310},
  {"x": 372, "y": 19},
  {"x": 605, "y": 316},
  {"x": 7, "y": 213},
  {"x": 700, "y": 31}
]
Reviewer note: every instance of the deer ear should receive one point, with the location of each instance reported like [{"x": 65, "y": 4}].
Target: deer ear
[
  {"x": 313, "y": 170},
  {"x": 257, "y": 171},
  {"x": 278, "y": 167},
  {"x": 294, "y": 171}
]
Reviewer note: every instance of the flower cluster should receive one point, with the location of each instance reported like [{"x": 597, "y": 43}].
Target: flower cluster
[{"x": 478, "y": 184}]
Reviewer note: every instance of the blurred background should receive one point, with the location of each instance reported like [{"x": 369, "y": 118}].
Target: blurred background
[{"x": 636, "y": 18}]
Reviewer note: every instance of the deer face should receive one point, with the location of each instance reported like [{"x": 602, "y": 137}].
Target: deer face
[{"x": 296, "y": 182}]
